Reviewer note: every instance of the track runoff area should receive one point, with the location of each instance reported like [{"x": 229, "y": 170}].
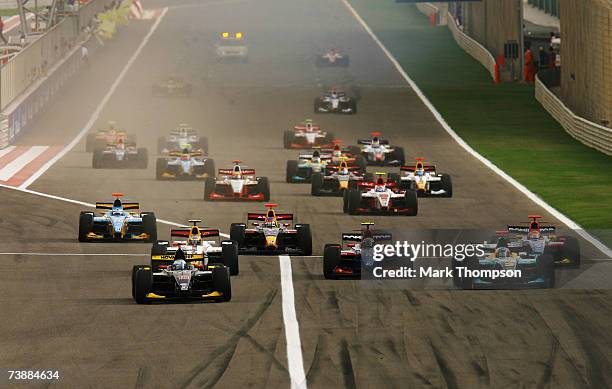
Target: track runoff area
[{"x": 291, "y": 321}]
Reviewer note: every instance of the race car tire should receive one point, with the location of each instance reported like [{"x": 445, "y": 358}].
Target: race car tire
[
  {"x": 411, "y": 201},
  {"x": 292, "y": 169},
  {"x": 90, "y": 142},
  {"x": 159, "y": 248},
  {"x": 354, "y": 200},
  {"x": 571, "y": 251},
  {"x": 209, "y": 187},
  {"x": 288, "y": 137},
  {"x": 304, "y": 239},
  {"x": 97, "y": 159},
  {"x": 162, "y": 143},
  {"x": 331, "y": 259},
  {"x": 237, "y": 233},
  {"x": 229, "y": 253},
  {"x": 316, "y": 183},
  {"x": 160, "y": 168},
  {"x": 85, "y": 225},
  {"x": 398, "y": 155},
  {"x": 318, "y": 103},
  {"x": 263, "y": 186},
  {"x": 546, "y": 269},
  {"x": 142, "y": 160},
  {"x": 149, "y": 223},
  {"x": 345, "y": 200},
  {"x": 353, "y": 106},
  {"x": 143, "y": 282},
  {"x": 447, "y": 185},
  {"x": 209, "y": 167},
  {"x": 222, "y": 282}
]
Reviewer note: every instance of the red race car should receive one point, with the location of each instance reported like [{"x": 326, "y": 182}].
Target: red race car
[
  {"x": 306, "y": 136},
  {"x": 237, "y": 184},
  {"x": 381, "y": 197}
]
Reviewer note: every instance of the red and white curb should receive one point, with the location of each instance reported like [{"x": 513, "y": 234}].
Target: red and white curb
[{"x": 19, "y": 163}]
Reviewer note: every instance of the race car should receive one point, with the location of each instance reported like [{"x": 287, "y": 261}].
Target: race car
[
  {"x": 105, "y": 136},
  {"x": 333, "y": 57},
  {"x": 377, "y": 151},
  {"x": 184, "y": 165},
  {"x": 425, "y": 180},
  {"x": 380, "y": 197},
  {"x": 335, "y": 101},
  {"x": 120, "y": 155},
  {"x": 302, "y": 169},
  {"x": 307, "y": 136},
  {"x": 271, "y": 233},
  {"x": 182, "y": 137},
  {"x": 196, "y": 243},
  {"x": 181, "y": 280},
  {"x": 345, "y": 260},
  {"x": 118, "y": 223},
  {"x": 238, "y": 184},
  {"x": 530, "y": 269},
  {"x": 335, "y": 179},
  {"x": 232, "y": 48},
  {"x": 172, "y": 87},
  {"x": 543, "y": 239}
]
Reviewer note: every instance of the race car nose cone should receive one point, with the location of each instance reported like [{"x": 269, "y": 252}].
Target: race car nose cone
[{"x": 271, "y": 241}]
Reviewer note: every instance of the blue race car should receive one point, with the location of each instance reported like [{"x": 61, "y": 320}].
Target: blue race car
[
  {"x": 301, "y": 170},
  {"x": 117, "y": 223}
]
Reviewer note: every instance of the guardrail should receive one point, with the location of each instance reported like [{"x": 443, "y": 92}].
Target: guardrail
[
  {"x": 589, "y": 133},
  {"x": 473, "y": 48},
  {"x": 429, "y": 10}
]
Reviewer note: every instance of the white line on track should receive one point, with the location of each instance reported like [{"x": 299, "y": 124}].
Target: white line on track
[
  {"x": 20, "y": 162},
  {"x": 94, "y": 116},
  {"x": 7, "y": 150},
  {"x": 532, "y": 196},
  {"x": 51, "y": 254},
  {"x": 292, "y": 328}
]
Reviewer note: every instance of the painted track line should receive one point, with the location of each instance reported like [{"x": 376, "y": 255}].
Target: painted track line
[
  {"x": 96, "y": 114},
  {"x": 292, "y": 328},
  {"x": 20, "y": 162},
  {"x": 532, "y": 196}
]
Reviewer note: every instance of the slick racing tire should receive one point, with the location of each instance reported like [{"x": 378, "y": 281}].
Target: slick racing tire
[
  {"x": 160, "y": 168},
  {"x": 353, "y": 105},
  {"x": 292, "y": 169},
  {"x": 149, "y": 223},
  {"x": 316, "y": 184},
  {"x": 229, "y": 253},
  {"x": 354, "y": 200},
  {"x": 209, "y": 168},
  {"x": 411, "y": 201},
  {"x": 304, "y": 239},
  {"x": 318, "y": 103},
  {"x": 546, "y": 270},
  {"x": 345, "y": 200},
  {"x": 135, "y": 270},
  {"x": 159, "y": 248},
  {"x": 85, "y": 225},
  {"x": 398, "y": 155},
  {"x": 209, "y": 187},
  {"x": 571, "y": 251},
  {"x": 237, "y": 233},
  {"x": 142, "y": 159},
  {"x": 143, "y": 283},
  {"x": 263, "y": 186},
  {"x": 288, "y": 139},
  {"x": 331, "y": 259},
  {"x": 222, "y": 282},
  {"x": 447, "y": 185}
]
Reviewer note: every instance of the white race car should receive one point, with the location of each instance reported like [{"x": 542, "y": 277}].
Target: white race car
[
  {"x": 120, "y": 155},
  {"x": 181, "y": 138},
  {"x": 377, "y": 151},
  {"x": 335, "y": 101},
  {"x": 425, "y": 180},
  {"x": 333, "y": 57},
  {"x": 238, "y": 184},
  {"x": 196, "y": 242},
  {"x": 380, "y": 197}
]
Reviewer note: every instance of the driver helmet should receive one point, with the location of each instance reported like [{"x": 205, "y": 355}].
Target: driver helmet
[
  {"x": 375, "y": 141},
  {"x": 420, "y": 172},
  {"x": 185, "y": 155},
  {"x": 533, "y": 235},
  {"x": 316, "y": 157},
  {"x": 502, "y": 252},
  {"x": 270, "y": 222},
  {"x": 334, "y": 94},
  {"x": 180, "y": 264},
  {"x": 337, "y": 153},
  {"x": 380, "y": 185},
  {"x": 120, "y": 144},
  {"x": 236, "y": 172},
  {"x": 195, "y": 240}
]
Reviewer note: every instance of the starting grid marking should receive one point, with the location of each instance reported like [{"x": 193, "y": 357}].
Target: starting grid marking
[{"x": 19, "y": 163}]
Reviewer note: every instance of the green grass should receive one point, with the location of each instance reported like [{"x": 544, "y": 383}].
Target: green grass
[{"x": 504, "y": 122}]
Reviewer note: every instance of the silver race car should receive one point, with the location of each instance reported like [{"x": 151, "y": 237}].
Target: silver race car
[
  {"x": 120, "y": 155},
  {"x": 335, "y": 101},
  {"x": 379, "y": 152},
  {"x": 181, "y": 138},
  {"x": 184, "y": 165}
]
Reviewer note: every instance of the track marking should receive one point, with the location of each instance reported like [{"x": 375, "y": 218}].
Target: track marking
[
  {"x": 18, "y": 163},
  {"x": 292, "y": 328},
  {"x": 532, "y": 196},
  {"x": 96, "y": 114}
]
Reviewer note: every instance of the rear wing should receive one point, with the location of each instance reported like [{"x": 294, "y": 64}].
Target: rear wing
[
  {"x": 126, "y": 206},
  {"x": 369, "y": 141},
  {"x": 204, "y": 232},
  {"x": 357, "y": 237},
  {"x": 262, "y": 216},
  {"x": 189, "y": 257},
  {"x": 177, "y": 153},
  {"x": 229, "y": 172},
  {"x": 525, "y": 229},
  {"x": 332, "y": 168},
  {"x": 427, "y": 168}
]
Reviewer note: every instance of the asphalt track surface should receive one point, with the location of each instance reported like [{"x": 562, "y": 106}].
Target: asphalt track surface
[{"x": 74, "y": 313}]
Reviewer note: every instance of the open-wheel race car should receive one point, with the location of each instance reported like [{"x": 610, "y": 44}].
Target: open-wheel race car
[
  {"x": 196, "y": 242},
  {"x": 182, "y": 137},
  {"x": 347, "y": 258},
  {"x": 335, "y": 101},
  {"x": 425, "y": 180},
  {"x": 381, "y": 197},
  {"x": 332, "y": 57},
  {"x": 172, "y": 86},
  {"x": 118, "y": 223},
  {"x": 307, "y": 135},
  {"x": 184, "y": 165},
  {"x": 302, "y": 169},
  {"x": 335, "y": 179},
  {"x": 182, "y": 279},
  {"x": 105, "y": 136},
  {"x": 237, "y": 184},
  {"x": 377, "y": 151},
  {"x": 120, "y": 155},
  {"x": 271, "y": 233},
  {"x": 231, "y": 47}
]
